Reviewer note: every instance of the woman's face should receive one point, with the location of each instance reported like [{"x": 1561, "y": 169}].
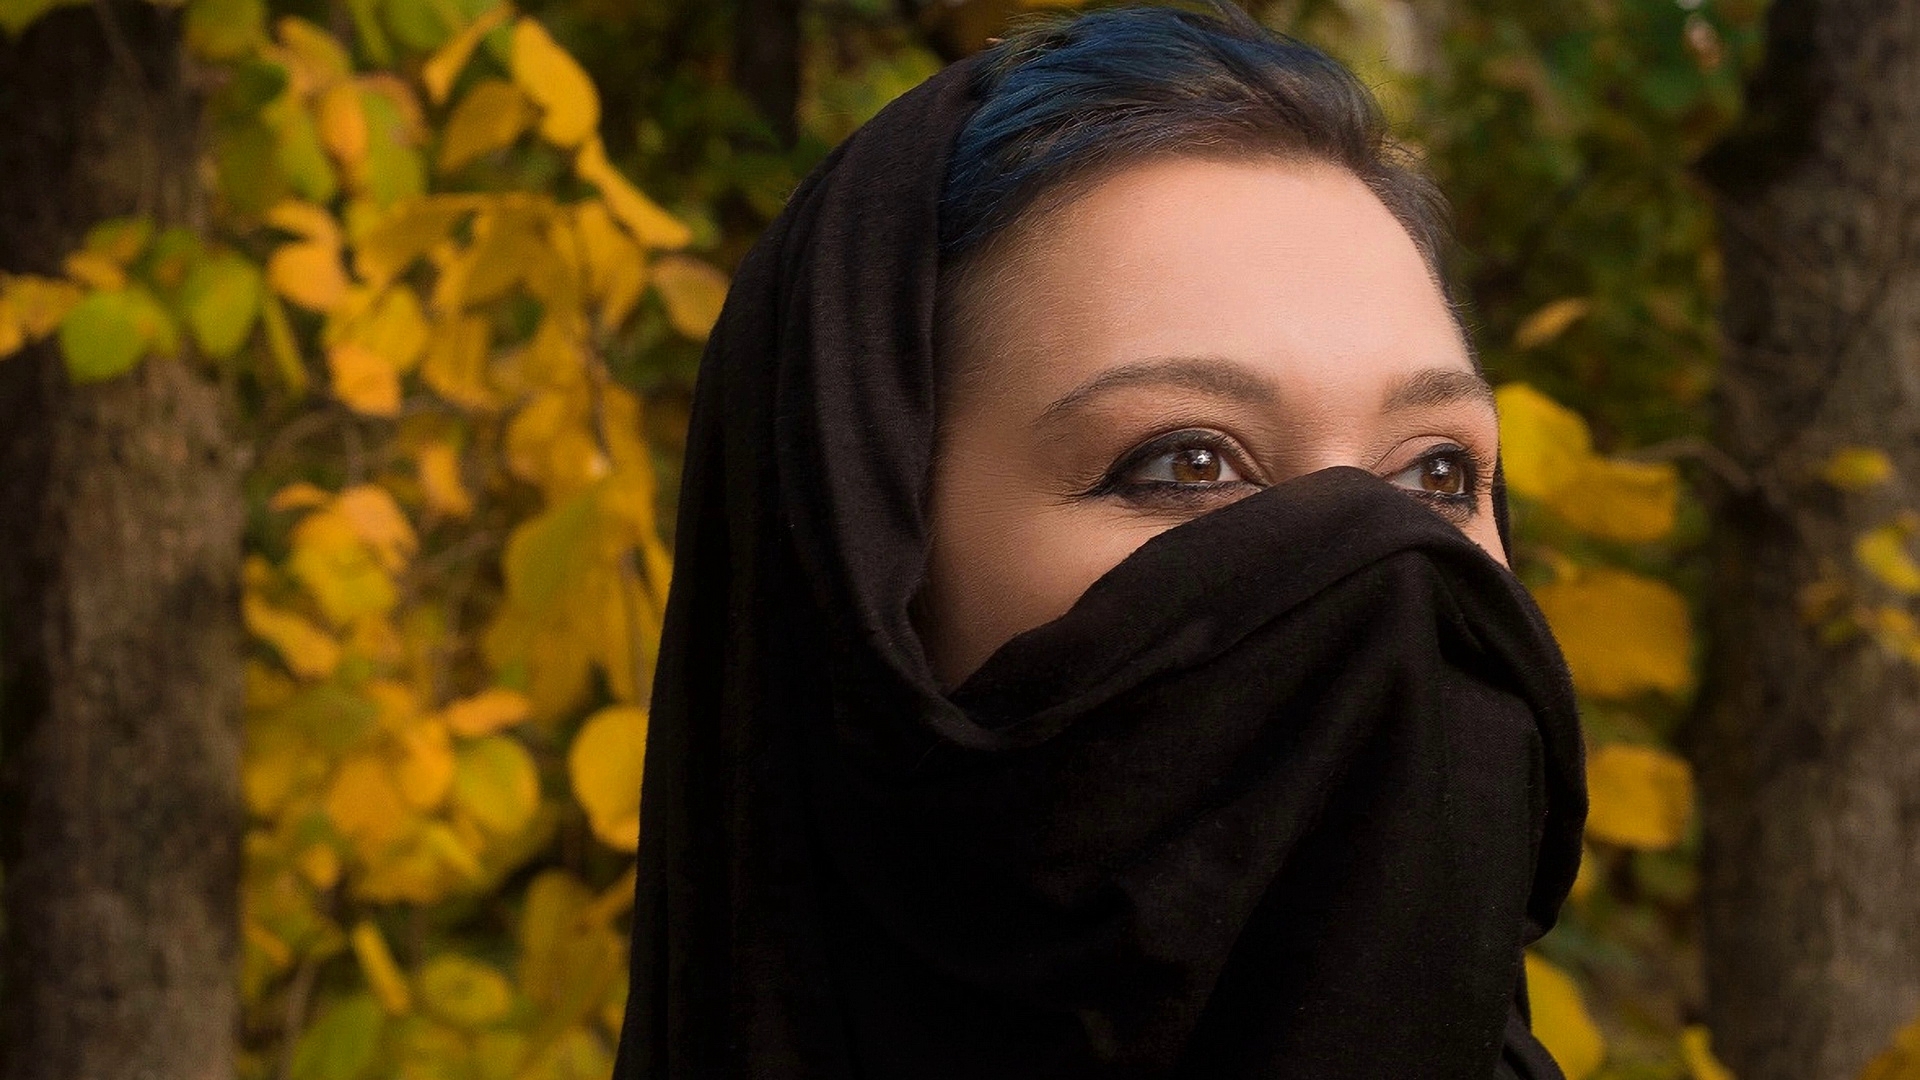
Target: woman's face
[{"x": 1178, "y": 337}]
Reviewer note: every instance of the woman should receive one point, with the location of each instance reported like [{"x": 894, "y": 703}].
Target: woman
[{"x": 1091, "y": 652}]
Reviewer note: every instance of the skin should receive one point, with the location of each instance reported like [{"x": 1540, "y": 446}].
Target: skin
[{"x": 1273, "y": 311}]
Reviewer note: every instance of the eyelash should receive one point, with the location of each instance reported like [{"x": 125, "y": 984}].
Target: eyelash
[
  {"x": 1456, "y": 507},
  {"x": 1173, "y": 494}
]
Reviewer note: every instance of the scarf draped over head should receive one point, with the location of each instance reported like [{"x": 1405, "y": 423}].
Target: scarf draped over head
[{"x": 1284, "y": 795}]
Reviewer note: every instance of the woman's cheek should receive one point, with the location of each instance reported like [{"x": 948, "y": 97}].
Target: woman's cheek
[{"x": 1003, "y": 570}]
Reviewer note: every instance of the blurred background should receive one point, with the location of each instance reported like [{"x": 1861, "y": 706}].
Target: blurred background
[{"x": 345, "y": 356}]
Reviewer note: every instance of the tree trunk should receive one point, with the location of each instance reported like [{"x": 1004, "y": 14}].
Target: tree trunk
[
  {"x": 120, "y": 645},
  {"x": 766, "y": 62},
  {"x": 1808, "y": 753}
]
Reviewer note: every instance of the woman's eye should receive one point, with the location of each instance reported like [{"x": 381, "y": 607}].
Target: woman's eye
[
  {"x": 1186, "y": 465},
  {"x": 1446, "y": 473}
]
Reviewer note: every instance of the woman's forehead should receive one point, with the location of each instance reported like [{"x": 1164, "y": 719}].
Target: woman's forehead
[{"x": 1293, "y": 270}]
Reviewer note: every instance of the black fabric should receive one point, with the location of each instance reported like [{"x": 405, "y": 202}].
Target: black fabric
[{"x": 1283, "y": 795}]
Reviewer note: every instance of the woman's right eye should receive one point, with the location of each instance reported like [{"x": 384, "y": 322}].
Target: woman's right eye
[
  {"x": 1180, "y": 467},
  {"x": 1187, "y": 465}
]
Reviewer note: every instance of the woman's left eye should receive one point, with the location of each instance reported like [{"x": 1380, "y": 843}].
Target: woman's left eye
[{"x": 1447, "y": 474}]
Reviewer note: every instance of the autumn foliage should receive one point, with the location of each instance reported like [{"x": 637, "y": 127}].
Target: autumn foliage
[{"x": 421, "y": 270}]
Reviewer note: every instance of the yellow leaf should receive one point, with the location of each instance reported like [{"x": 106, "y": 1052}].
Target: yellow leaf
[
  {"x": 1855, "y": 467},
  {"x": 465, "y": 993},
  {"x": 451, "y": 58},
  {"x": 363, "y": 380},
  {"x": 38, "y": 303},
  {"x": 282, "y": 346},
  {"x": 306, "y": 221},
  {"x": 365, "y": 805},
  {"x": 1561, "y": 1021},
  {"x": 299, "y": 495},
  {"x": 338, "y": 569},
  {"x": 1620, "y": 500},
  {"x": 391, "y": 242},
  {"x": 12, "y": 337},
  {"x": 491, "y": 710},
  {"x": 693, "y": 292},
  {"x": 94, "y": 270},
  {"x": 451, "y": 850},
  {"x": 1882, "y": 552},
  {"x": 550, "y": 445},
  {"x": 491, "y": 117},
  {"x": 308, "y": 651},
  {"x": 616, "y": 268},
  {"x": 393, "y": 325},
  {"x": 1642, "y": 797},
  {"x": 314, "y": 55},
  {"x": 555, "y": 82},
  {"x": 456, "y": 364},
  {"x": 383, "y": 974},
  {"x": 651, "y": 225},
  {"x": 496, "y": 784},
  {"x": 1542, "y": 444},
  {"x": 628, "y": 641},
  {"x": 343, "y": 125},
  {"x": 424, "y": 772},
  {"x": 605, "y": 763},
  {"x": 1900, "y": 1060},
  {"x": 273, "y": 766},
  {"x": 440, "y": 483},
  {"x": 1622, "y": 634},
  {"x": 549, "y": 921},
  {"x": 379, "y": 521},
  {"x": 508, "y": 246},
  {"x": 320, "y": 865},
  {"x": 1546, "y": 453},
  {"x": 576, "y": 1054},
  {"x": 309, "y": 274},
  {"x": 1696, "y": 1052},
  {"x": 261, "y": 938},
  {"x": 1550, "y": 322}
]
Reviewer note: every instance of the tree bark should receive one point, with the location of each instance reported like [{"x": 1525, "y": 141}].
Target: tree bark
[
  {"x": 1808, "y": 753},
  {"x": 120, "y": 644},
  {"x": 766, "y": 62}
]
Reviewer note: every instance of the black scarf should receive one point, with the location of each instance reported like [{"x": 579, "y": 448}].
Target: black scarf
[{"x": 1284, "y": 795}]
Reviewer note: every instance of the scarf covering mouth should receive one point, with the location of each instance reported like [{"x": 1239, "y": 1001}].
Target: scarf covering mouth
[{"x": 1285, "y": 794}]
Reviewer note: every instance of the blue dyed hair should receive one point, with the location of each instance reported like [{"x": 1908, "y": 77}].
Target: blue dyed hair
[{"x": 1066, "y": 101}]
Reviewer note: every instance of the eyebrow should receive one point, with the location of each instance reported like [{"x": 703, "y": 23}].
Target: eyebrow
[
  {"x": 1212, "y": 375},
  {"x": 1434, "y": 387},
  {"x": 1219, "y": 377}
]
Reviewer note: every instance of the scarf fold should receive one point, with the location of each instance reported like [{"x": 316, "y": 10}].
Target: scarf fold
[{"x": 1284, "y": 794}]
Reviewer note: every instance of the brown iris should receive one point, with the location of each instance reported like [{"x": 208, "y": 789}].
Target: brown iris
[
  {"x": 1443, "y": 475},
  {"x": 1195, "y": 465}
]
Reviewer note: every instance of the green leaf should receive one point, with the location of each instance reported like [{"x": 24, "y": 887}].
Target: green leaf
[
  {"x": 225, "y": 29},
  {"x": 417, "y": 24},
  {"x": 496, "y": 784},
  {"x": 172, "y": 256},
  {"x": 465, "y": 993},
  {"x": 15, "y": 15},
  {"x": 109, "y": 331},
  {"x": 301, "y": 157},
  {"x": 120, "y": 239},
  {"x": 340, "y": 1045},
  {"x": 220, "y": 299},
  {"x": 246, "y": 158},
  {"x": 373, "y": 37},
  {"x": 395, "y": 171}
]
